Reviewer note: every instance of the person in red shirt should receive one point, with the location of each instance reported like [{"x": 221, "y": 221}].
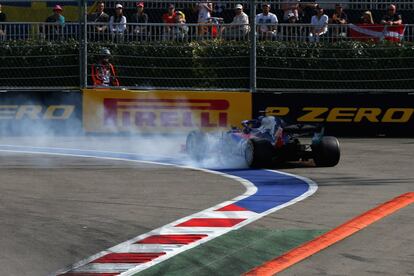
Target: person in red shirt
[
  {"x": 103, "y": 72},
  {"x": 169, "y": 18}
]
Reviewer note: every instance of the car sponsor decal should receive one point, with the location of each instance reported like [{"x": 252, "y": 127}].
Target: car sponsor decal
[{"x": 266, "y": 192}]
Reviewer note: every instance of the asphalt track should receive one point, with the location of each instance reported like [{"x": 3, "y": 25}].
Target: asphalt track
[{"x": 58, "y": 210}]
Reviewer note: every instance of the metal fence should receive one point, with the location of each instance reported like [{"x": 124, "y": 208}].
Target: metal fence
[
  {"x": 228, "y": 4},
  {"x": 38, "y": 31},
  {"x": 178, "y": 32},
  {"x": 215, "y": 55}
]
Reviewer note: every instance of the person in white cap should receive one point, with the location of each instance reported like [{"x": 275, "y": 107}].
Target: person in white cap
[
  {"x": 239, "y": 26},
  {"x": 117, "y": 24}
]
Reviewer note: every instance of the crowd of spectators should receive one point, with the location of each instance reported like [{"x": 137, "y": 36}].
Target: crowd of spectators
[{"x": 210, "y": 23}]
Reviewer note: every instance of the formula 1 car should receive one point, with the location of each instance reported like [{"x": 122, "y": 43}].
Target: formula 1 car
[{"x": 264, "y": 142}]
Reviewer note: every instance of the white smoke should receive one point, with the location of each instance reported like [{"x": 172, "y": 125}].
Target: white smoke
[{"x": 38, "y": 132}]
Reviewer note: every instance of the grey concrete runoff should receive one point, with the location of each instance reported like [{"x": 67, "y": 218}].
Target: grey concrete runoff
[{"x": 58, "y": 210}]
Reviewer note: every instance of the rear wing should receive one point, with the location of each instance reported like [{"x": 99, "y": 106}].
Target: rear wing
[{"x": 303, "y": 129}]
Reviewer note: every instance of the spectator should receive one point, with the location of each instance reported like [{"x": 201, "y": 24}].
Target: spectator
[
  {"x": 99, "y": 30},
  {"x": 181, "y": 30},
  {"x": 2, "y": 19},
  {"x": 55, "y": 31},
  {"x": 219, "y": 8},
  {"x": 140, "y": 17},
  {"x": 239, "y": 26},
  {"x": 319, "y": 26},
  {"x": 289, "y": 7},
  {"x": 215, "y": 25},
  {"x": 306, "y": 11},
  {"x": 392, "y": 18},
  {"x": 204, "y": 13},
  {"x": 339, "y": 17},
  {"x": 117, "y": 24},
  {"x": 266, "y": 23},
  {"x": 103, "y": 72},
  {"x": 292, "y": 18},
  {"x": 367, "y": 18},
  {"x": 169, "y": 18},
  {"x": 293, "y": 32}
]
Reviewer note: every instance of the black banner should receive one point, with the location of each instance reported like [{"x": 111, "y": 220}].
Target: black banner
[
  {"x": 343, "y": 114},
  {"x": 40, "y": 113}
]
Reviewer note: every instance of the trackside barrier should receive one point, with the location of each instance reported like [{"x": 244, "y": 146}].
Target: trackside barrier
[
  {"x": 126, "y": 111},
  {"x": 346, "y": 114},
  {"x": 107, "y": 111},
  {"x": 40, "y": 112}
]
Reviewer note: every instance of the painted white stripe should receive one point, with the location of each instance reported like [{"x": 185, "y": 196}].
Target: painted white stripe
[
  {"x": 146, "y": 248},
  {"x": 170, "y": 228},
  {"x": 102, "y": 268},
  {"x": 225, "y": 214}
]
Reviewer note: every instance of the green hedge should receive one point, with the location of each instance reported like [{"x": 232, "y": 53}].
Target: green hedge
[
  {"x": 217, "y": 64},
  {"x": 37, "y": 63},
  {"x": 350, "y": 65}
]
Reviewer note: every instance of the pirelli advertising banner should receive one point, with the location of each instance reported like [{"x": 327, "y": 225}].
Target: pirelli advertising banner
[
  {"x": 124, "y": 111},
  {"x": 40, "y": 112},
  {"x": 350, "y": 114}
]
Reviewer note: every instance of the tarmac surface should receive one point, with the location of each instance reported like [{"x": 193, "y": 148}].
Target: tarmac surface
[{"x": 57, "y": 210}]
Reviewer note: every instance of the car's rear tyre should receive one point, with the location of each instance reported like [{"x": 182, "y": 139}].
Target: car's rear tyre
[
  {"x": 258, "y": 153},
  {"x": 196, "y": 145},
  {"x": 326, "y": 153}
]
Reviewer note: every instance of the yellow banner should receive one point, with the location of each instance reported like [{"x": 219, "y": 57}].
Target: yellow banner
[
  {"x": 116, "y": 111},
  {"x": 38, "y": 11}
]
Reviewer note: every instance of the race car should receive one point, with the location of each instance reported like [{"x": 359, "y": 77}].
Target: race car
[{"x": 264, "y": 142}]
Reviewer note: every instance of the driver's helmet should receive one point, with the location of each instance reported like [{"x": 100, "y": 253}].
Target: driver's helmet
[
  {"x": 268, "y": 124},
  {"x": 105, "y": 53}
]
